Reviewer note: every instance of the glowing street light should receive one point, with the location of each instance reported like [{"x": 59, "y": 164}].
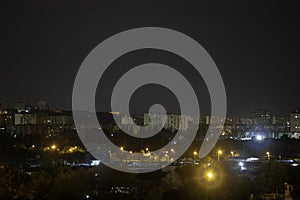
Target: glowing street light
[
  {"x": 173, "y": 151},
  {"x": 268, "y": 155},
  {"x": 219, "y": 153},
  {"x": 195, "y": 154},
  {"x": 53, "y": 147},
  {"x": 241, "y": 164},
  {"x": 122, "y": 149},
  {"x": 209, "y": 176},
  {"x": 167, "y": 156},
  {"x": 259, "y": 137},
  {"x": 232, "y": 153},
  {"x": 131, "y": 155}
]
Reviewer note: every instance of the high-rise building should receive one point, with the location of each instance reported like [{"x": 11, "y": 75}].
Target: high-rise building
[
  {"x": 295, "y": 121},
  {"x": 42, "y": 105}
]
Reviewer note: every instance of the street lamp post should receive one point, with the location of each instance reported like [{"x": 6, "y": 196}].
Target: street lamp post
[
  {"x": 122, "y": 150},
  {"x": 219, "y": 153},
  {"x": 167, "y": 156},
  {"x": 173, "y": 152},
  {"x": 131, "y": 155},
  {"x": 209, "y": 176},
  {"x": 232, "y": 153},
  {"x": 268, "y": 155},
  {"x": 195, "y": 154}
]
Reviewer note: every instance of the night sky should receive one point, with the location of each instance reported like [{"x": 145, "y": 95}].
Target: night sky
[{"x": 255, "y": 45}]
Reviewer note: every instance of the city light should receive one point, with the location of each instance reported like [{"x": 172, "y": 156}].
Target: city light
[
  {"x": 53, "y": 147},
  {"x": 209, "y": 176},
  {"x": 232, "y": 153},
  {"x": 195, "y": 154},
  {"x": 220, "y": 152},
  {"x": 173, "y": 152},
  {"x": 268, "y": 155},
  {"x": 259, "y": 137}
]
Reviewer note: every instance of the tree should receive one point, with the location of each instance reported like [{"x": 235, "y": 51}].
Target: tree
[{"x": 272, "y": 178}]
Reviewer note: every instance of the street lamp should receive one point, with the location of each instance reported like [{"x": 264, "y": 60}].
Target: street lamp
[
  {"x": 209, "y": 175},
  {"x": 268, "y": 155},
  {"x": 131, "y": 155},
  {"x": 195, "y": 154},
  {"x": 166, "y": 155},
  {"x": 173, "y": 152},
  {"x": 122, "y": 149},
  {"x": 232, "y": 153},
  {"x": 219, "y": 153},
  {"x": 53, "y": 147}
]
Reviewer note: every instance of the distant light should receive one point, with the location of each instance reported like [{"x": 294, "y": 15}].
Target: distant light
[
  {"x": 209, "y": 176},
  {"x": 252, "y": 159},
  {"x": 95, "y": 162},
  {"x": 259, "y": 137},
  {"x": 114, "y": 113},
  {"x": 241, "y": 164},
  {"x": 87, "y": 196}
]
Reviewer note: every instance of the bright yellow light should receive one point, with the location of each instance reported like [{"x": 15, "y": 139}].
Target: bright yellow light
[
  {"x": 172, "y": 150},
  {"x": 53, "y": 147},
  {"x": 130, "y": 152},
  {"x": 121, "y": 148},
  {"x": 195, "y": 153},
  {"x": 268, "y": 153},
  {"x": 33, "y": 146},
  {"x": 220, "y": 152},
  {"x": 210, "y": 175},
  {"x": 147, "y": 149}
]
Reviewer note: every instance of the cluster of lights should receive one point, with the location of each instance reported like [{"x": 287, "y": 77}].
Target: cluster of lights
[{"x": 53, "y": 147}]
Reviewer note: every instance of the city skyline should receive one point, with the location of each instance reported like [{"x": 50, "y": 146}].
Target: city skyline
[{"x": 146, "y": 99}]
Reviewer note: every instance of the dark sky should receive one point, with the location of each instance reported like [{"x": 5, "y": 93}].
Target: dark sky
[{"x": 255, "y": 44}]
